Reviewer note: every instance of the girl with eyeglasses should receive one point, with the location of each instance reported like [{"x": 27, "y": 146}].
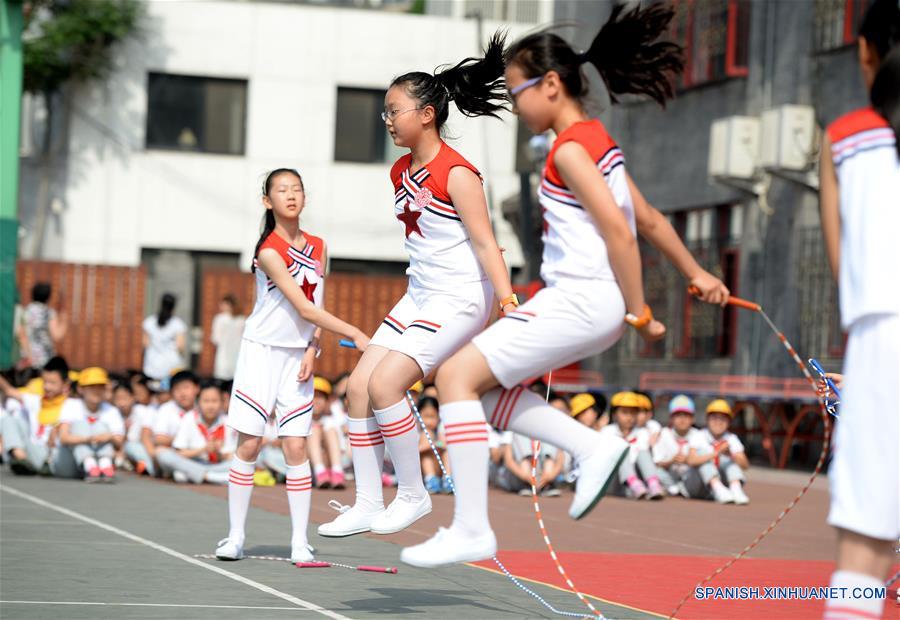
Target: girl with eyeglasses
[
  {"x": 591, "y": 268},
  {"x": 456, "y": 274}
]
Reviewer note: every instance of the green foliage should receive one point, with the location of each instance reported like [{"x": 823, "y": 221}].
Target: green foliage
[
  {"x": 72, "y": 40},
  {"x": 417, "y": 7}
]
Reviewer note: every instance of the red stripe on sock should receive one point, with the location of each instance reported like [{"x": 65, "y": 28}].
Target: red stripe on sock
[
  {"x": 238, "y": 474},
  {"x": 393, "y": 425},
  {"x": 363, "y": 436},
  {"x": 510, "y": 406},
  {"x": 359, "y": 444},
  {"x": 240, "y": 483},
  {"x": 401, "y": 430},
  {"x": 473, "y": 440},
  {"x": 504, "y": 394},
  {"x": 461, "y": 424}
]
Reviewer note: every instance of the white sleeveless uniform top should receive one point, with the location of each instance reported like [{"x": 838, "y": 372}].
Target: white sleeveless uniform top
[
  {"x": 863, "y": 148},
  {"x": 274, "y": 320},
  {"x": 573, "y": 246},
  {"x": 440, "y": 251}
]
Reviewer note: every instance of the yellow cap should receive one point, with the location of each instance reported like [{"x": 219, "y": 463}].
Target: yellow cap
[
  {"x": 321, "y": 384},
  {"x": 581, "y": 403},
  {"x": 720, "y": 405},
  {"x": 92, "y": 376},
  {"x": 625, "y": 399},
  {"x": 418, "y": 386},
  {"x": 645, "y": 403}
]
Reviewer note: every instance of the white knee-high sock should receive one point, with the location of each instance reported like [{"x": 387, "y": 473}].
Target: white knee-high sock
[
  {"x": 240, "y": 488},
  {"x": 467, "y": 451},
  {"x": 849, "y": 608},
  {"x": 524, "y": 412},
  {"x": 299, "y": 492},
  {"x": 368, "y": 462},
  {"x": 398, "y": 428}
]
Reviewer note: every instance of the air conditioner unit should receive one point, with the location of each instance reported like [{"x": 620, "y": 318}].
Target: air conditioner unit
[
  {"x": 733, "y": 147},
  {"x": 787, "y": 138}
]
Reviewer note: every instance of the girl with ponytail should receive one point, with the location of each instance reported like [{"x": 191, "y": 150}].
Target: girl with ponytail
[
  {"x": 279, "y": 347},
  {"x": 591, "y": 267},
  {"x": 456, "y": 277},
  {"x": 859, "y": 195}
]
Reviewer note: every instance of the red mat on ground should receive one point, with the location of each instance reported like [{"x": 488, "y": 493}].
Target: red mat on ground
[{"x": 656, "y": 583}]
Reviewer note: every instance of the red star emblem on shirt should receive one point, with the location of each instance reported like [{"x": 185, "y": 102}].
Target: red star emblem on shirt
[
  {"x": 308, "y": 288},
  {"x": 409, "y": 219}
]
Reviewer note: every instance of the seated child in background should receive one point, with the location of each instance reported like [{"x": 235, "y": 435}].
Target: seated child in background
[
  {"x": 204, "y": 444},
  {"x": 638, "y": 463},
  {"x": 726, "y": 452},
  {"x": 324, "y": 445},
  {"x": 645, "y": 417},
  {"x": 429, "y": 409},
  {"x": 91, "y": 431}
]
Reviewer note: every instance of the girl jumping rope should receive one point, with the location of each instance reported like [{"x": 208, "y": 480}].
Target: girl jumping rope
[
  {"x": 456, "y": 274},
  {"x": 277, "y": 355},
  {"x": 591, "y": 267}
]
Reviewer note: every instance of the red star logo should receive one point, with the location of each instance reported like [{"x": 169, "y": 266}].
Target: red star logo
[
  {"x": 409, "y": 219},
  {"x": 308, "y": 288}
]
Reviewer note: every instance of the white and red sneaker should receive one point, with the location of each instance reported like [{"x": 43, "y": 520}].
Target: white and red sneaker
[{"x": 108, "y": 473}]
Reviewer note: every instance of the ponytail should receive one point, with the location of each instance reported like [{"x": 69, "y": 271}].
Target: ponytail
[
  {"x": 475, "y": 85},
  {"x": 166, "y": 308},
  {"x": 626, "y": 52},
  {"x": 268, "y": 222},
  {"x": 881, "y": 28}
]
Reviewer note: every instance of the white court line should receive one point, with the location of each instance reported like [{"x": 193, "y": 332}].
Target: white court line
[
  {"x": 294, "y": 609},
  {"x": 175, "y": 554}
]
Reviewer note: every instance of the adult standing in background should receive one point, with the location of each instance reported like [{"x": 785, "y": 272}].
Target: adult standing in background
[
  {"x": 227, "y": 331},
  {"x": 41, "y": 328},
  {"x": 164, "y": 340}
]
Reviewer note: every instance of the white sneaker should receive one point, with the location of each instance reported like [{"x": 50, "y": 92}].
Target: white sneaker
[
  {"x": 351, "y": 520},
  {"x": 722, "y": 495},
  {"x": 449, "y": 547},
  {"x": 228, "y": 549},
  {"x": 596, "y": 473},
  {"x": 673, "y": 490},
  {"x": 301, "y": 553},
  {"x": 217, "y": 477},
  {"x": 403, "y": 512},
  {"x": 740, "y": 498},
  {"x": 179, "y": 476}
]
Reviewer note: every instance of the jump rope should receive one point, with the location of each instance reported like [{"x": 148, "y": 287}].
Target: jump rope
[{"x": 827, "y": 405}]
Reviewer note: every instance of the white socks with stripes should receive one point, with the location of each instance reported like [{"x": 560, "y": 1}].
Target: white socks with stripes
[
  {"x": 398, "y": 428},
  {"x": 524, "y": 412},
  {"x": 368, "y": 462},
  {"x": 848, "y": 607},
  {"x": 299, "y": 485},
  {"x": 467, "y": 449},
  {"x": 240, "y": 488}
]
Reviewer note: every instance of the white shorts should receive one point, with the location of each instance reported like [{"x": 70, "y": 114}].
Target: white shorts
[
  {"x": 265, "y": 380},
  {"x": 562, "y": 324},
  {"x": 865, "y": 470},
  {"x": 430, "y": 325}
]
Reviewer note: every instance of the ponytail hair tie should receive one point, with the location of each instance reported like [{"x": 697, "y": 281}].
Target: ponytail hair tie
[{"x": 582, "y": 58}]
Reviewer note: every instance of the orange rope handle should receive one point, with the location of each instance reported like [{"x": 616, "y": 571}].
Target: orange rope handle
[{"x": 732, "y": 301}]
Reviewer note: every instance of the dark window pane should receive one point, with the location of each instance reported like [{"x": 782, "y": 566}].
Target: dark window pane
[
  {"x": 359, "y": 132},
  {"x": 200, "y": 114}
]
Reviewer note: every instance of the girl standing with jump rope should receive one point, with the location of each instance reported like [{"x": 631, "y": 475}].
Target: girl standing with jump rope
[
  {"x": 591, "y": 267},
  {"x": 277, "y": 355},
  {"x": 456, "y": 275},
  {"x": 859, "y": 189}
]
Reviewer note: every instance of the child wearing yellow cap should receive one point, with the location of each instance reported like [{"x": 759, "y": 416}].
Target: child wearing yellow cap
[
  {"x": 645, "y": 417},
  {"x": 588, "y": 410},
  {"x": 726, "y": 452},
  {"x": 324, "y": 445},
  {"x": 637, "y": 476},
  {"x": 91, "y": 430}
]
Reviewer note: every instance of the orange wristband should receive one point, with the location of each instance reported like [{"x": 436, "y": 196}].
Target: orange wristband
[
  {"x": 512, "y": 299},
  {"x": 638, "y": 322}
]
